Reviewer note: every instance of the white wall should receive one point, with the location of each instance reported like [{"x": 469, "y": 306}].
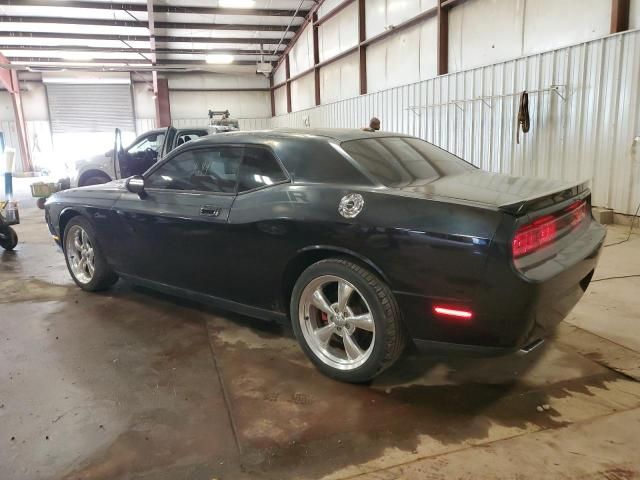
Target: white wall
[
  {"x": 521, "y": 27},
  {"x": 196, "y": 104},
  {"x": 407, "y": 57},
  {"x": 550, "y": 24},
  {"x": 143, "y": 103},
  {"x": 481, "y": 32},
  {"x": 340, "y": 79},
  {"x": 338, "y": 33},
  {"x": 301, "y": 55},
  {"x": 382, "y": 13},
  {"x": 303, "y": 92},
  {"x": 279, "y": 75},
  {"x": 280, "y": 97},
  {"x": 6, "y": 107}
]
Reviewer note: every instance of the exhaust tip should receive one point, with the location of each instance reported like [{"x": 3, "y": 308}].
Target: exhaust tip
[{"x": 531, "y": 346}]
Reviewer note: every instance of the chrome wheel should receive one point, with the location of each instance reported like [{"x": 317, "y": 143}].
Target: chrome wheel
[
  {"x": 336, "y": 322},
  {"x": 80, "y": 254}
]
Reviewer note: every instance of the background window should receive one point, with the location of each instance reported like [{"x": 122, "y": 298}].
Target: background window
[
  {"x": 259, "y": 168},
  {"x": 206, "y": 170}
]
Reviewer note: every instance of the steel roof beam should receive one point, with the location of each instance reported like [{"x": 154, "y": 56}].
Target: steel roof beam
[
  {"x": 142, "y": 7},
  {"x": 126, "y": 61},
  {"x": 140, "y": 38},
  {"x": 84, "y": 48},
  {"x": 143, "y": 24}
]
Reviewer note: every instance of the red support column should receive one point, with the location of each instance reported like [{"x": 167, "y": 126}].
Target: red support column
[
  {"x": 619, "y": 15},
  {"x": 9, "y": 79},
  {"x": 287, "y": 71},
  {"x": 443, "y": 39},
  {"x": 362, "y": 36},
  {"x": 273, "y": 97},
  {"x": 163, "y": 108},
  {"x": 316, "y": 56}
]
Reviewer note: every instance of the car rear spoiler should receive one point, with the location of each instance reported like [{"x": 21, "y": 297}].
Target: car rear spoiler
[{"x": 547, "y": 199}]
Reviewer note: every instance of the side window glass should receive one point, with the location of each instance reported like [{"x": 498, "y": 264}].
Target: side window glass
[
  {"x": 259, "y": 168},
  {"x": 204, "y": 170},
  {"x": 153, "y": 142}
]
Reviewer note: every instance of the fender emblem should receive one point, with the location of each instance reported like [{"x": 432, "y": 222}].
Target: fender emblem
[{"x": 351, "y": 205}]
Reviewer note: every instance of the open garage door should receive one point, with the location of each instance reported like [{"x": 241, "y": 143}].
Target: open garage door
[
  {"x": 90, "y": 108},
  {"x": 84, "y": 117}
]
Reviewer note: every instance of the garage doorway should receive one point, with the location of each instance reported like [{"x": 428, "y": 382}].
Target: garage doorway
[{"x": 84, "y": 117}]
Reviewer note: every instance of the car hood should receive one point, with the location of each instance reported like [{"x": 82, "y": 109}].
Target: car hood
[
  {"x": 101, "y": 191},
  {"x": 489, "y": 189}
]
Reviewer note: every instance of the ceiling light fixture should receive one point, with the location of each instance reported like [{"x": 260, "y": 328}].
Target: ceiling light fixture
[
  {"x": 219, "y": 58},
  {"x": 237, "y": 3}
]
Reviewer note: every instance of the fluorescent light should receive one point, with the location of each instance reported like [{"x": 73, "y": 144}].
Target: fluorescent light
[
  {"x": 219, "y": 58},
  {"x": 76, "y": 55},
  {"x": 237, "y": 3}
]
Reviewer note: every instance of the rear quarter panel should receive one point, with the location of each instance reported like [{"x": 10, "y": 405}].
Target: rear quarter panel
[{"x": 423, "y": 248}]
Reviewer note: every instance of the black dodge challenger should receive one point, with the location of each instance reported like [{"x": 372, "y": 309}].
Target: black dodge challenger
[{"x": 363, "y": 241}]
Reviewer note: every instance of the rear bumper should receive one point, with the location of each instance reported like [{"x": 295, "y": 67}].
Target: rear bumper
[{"x": 511, "y": 310}]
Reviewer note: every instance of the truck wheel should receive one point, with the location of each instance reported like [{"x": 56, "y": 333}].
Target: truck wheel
[{"x": 95, "y": 180}]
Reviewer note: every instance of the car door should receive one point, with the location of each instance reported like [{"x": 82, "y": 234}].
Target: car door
[
  {"x": 177, "y": 234},
  {"x": 261, "y": 235},
  {"x": 141, "y": 155}
]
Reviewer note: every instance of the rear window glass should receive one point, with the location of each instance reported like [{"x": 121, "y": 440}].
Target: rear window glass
[{"x": 401, "y": 162}]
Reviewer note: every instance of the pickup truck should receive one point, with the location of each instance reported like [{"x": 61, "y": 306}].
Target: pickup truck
[{"x": 135, "y": 159}]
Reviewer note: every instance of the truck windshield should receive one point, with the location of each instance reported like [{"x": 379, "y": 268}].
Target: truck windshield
[{"x": 402, "y": 161}]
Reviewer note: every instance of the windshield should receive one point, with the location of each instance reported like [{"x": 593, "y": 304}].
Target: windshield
[{"x": 404, "y": 162}]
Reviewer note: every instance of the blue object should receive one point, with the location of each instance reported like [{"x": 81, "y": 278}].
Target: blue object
[{"x": 8, "y": 185}]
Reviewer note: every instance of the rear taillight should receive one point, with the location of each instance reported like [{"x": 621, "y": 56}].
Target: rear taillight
[{"x": 545, "y": 230}]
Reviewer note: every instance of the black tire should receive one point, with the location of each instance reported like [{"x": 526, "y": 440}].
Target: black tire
[
  {"x": 40, "y": 202},
  {"x": 390, "y": 335},
  {"x": 11, "y": 239},
  {"x": 103, "y": 276},
  {"x": 95, "y": 180}
]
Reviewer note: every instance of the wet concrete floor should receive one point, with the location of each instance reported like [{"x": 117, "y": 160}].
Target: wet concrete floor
[{"x": 131, "y": 384}]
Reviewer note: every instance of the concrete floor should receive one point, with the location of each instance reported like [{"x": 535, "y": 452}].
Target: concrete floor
[{"x": 129, "y": 384}]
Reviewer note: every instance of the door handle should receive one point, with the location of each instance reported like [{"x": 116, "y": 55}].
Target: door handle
[{"x": 210, "y": 211}]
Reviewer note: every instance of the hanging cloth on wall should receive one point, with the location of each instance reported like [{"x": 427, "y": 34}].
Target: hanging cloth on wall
[{"x": 523, "y": 115}]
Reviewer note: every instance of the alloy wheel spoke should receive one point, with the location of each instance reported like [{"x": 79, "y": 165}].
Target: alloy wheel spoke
[
  {"x": 83, "y": 237},
  {"x": 76, "y": 242},
  {"x": 321, "y": 302},
  {"x": 344, "y": 293},
  {"x": 90, "y": 268},
  {"x": 351, "y": 348},
  {"x": 364, "y": 321},
  {"x": 323, "y": 334}
]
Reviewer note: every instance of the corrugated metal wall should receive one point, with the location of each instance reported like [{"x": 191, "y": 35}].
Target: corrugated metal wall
[{"x": 584, "y": 131}]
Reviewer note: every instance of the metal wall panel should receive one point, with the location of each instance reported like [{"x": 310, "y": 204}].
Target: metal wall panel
[
  {"x": 584, "y": 129},
  {"x": 245, "y": 123}
]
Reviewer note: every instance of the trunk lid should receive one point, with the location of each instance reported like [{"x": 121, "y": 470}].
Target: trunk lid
[{"x": 514, "y": 195}]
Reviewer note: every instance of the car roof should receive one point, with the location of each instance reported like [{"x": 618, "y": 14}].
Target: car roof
[{"x": 338, "y": 134}]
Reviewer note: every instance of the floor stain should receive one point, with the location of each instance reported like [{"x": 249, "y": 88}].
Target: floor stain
[{"x": 32, "y": 289}]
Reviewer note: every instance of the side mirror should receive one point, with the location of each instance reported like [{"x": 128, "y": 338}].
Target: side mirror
[{"x": 135, "y": 184}]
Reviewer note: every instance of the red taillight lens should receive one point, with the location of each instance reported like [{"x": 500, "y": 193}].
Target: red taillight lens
[{"x": 545, "y": 230}]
